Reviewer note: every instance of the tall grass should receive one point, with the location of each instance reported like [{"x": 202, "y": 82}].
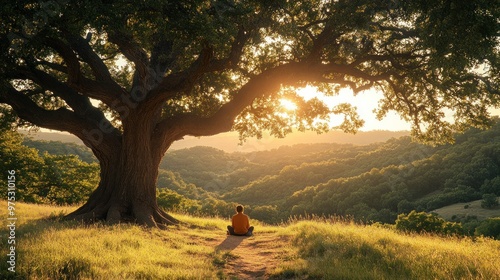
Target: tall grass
[
  {"x": 342, "y": 250},
  {"x": 51, "y": 249}
]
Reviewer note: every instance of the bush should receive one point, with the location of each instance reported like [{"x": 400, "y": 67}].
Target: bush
[
  {"x": 172, "y": 201},
  {"x": 489, "y": 228},
  {"x": 422, "y": 222},
  {"x": 268, "y": 214},
  {"x": 489, "y": 201}
]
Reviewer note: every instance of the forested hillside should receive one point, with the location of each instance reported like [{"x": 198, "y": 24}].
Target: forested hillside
[
  {"x": 59, "y": 178},
  {"x": 374, "y": 182},
  {"x": 410, "y": 177},
  {"x": 59, "y": 148}
]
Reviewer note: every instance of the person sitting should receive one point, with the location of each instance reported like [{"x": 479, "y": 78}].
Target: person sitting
[{"x": 240, "y": 224}]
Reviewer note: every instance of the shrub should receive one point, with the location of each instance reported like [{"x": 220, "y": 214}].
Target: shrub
[
  {"x": 489, "y": 201},
  {"x": 489, "y": 228},
  {"x": 422, "y": 222}
]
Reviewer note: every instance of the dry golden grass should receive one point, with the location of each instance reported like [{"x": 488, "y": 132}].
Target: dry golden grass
[{"x": 340, "y": 250}]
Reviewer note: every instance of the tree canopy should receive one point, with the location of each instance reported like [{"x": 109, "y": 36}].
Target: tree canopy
[
  {"x": 215, "y": 65},
  {"x": 131, "y": 77}
]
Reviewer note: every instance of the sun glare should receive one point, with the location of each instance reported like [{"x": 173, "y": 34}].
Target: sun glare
[
  {"x": 288, "y": 105},
  {"x": 365, "y": 102}
]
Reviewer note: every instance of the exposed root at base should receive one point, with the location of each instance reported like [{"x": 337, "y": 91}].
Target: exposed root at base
[{"x": 145, "y": 216}]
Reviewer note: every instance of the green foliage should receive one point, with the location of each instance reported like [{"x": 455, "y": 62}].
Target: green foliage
[
  {"x": 489, "y": 201},
  {"x": 57, "y": 148},
  {"x": 491, "y": 186},
  {"x": 267, "y": 213},
  {"x": 421, "y": 222},
  {"x": 413, "y": 51},
  {"x": 172, "y": 201},
  {"x": 25, "y": 161},
  {"x": 67, "y": 180},
  {"x": 46, "y": 178},
  {"x": 489, "y": 228},
  {"x": 175, "y": 194}
]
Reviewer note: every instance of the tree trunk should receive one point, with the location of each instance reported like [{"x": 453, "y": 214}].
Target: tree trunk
[
  {"x": 127, "y": 190},
  {"x": 126, "y": 193}
]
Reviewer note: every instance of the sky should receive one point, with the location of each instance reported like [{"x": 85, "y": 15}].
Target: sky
[{"x": 365, "y": 102}]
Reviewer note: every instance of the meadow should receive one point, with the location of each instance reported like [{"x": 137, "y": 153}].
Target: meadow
[
  {"x": 49, "y": 248},
  {"x": 465, "y": 209}
]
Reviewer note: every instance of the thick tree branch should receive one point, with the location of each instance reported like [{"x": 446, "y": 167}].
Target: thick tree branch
[
  {"x": 232, "y": 60},
  {"x": 80, "y": 104},
  {"x": 52, "y": 66},
  {"x": 183, "y": 80},
  {"x": 133, "y": 52},
  {"x": 328, "y": 36},
  {"x": 69, "y": 57},
  {"x": 103, "y": 88},
  {"x": 94, "y": 135},
  {"x": 326, "y": 69},
  {"x": 267, "y": 83},
  {"x": 177, "y": 83},
  {"x": 162, "y": 56},
  {"x": 99, "y": 69},
  {"x": 397, "y": 32}
]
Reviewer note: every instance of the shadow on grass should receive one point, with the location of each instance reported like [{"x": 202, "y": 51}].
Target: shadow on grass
[{"x": 230, "y": 243}]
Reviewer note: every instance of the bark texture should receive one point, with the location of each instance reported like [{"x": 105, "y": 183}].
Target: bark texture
[{"x": 127, "y": 190}]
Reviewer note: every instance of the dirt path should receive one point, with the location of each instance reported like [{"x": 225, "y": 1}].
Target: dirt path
[{"x": 252, "y": 257}]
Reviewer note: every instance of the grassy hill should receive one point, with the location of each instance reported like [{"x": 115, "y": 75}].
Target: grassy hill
[
  {"x": 473, "y": 208},
  {"x": 47, "y": 248}
]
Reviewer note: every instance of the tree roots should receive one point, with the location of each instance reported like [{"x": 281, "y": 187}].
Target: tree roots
[{"x": 148, "y": 216}]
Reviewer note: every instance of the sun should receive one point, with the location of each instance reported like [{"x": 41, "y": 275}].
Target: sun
[{"x": 288, "y": 105}]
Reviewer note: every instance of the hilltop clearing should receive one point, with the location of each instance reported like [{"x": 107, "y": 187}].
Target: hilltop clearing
[{"x": 467, "y": 209}]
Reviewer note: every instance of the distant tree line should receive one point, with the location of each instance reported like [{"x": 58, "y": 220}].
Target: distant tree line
[{"x": 61, "y": 149}]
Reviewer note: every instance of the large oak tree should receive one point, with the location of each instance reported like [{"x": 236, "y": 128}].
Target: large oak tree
[{"x": 129, "y": 78}]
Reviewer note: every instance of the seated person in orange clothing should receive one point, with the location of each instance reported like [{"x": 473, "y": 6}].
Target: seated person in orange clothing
[{"x": 240, "y": 224}]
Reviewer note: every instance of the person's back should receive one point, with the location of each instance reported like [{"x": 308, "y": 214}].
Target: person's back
[{"x": 240, "y": 223}]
